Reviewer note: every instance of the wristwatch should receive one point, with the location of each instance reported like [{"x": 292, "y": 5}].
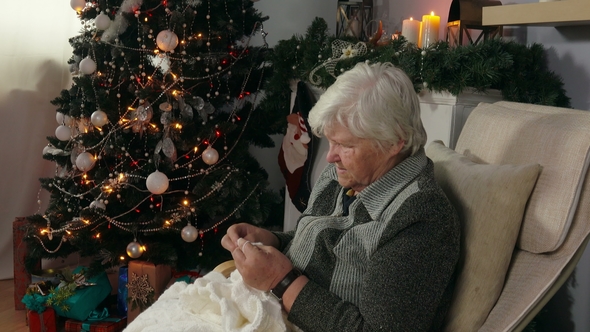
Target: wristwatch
[{"x": 282, "y": 286}]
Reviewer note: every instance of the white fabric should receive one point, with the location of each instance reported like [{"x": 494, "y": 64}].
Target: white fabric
[{"x": 213, "y": 303}]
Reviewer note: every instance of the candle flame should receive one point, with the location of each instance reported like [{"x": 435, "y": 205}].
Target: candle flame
[
  {"x": 432, "y": 13},
  {"x": 411, "y": 18}
]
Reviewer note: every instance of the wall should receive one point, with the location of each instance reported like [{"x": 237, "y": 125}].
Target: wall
[{"x": 33, "y": 69}]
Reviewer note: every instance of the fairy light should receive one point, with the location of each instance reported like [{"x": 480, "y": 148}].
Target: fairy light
[{"x": 114, "y": 186}]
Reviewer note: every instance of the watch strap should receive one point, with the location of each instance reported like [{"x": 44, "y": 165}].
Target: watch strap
[{"x": 279, "y": 290}]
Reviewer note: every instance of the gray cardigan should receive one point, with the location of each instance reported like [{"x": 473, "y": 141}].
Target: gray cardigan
[{"x": 388, "y": 265}]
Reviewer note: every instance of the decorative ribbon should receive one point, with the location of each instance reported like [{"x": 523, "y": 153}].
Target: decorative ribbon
[
  {"x": 42, "y": 323},
  {"x": 97, "y": 316},
  {"x": 340, "y": 50},
  {"x": 178, "y": 274}
]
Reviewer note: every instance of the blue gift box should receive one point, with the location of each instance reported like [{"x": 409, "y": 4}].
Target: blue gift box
[{"x": 86, "y": 299}]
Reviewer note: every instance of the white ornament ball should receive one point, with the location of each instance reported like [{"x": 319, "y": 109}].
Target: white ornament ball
[
  {"x": 63, "y": 133},
  {"x": 68, "y": 120},
  {"x": 134, "y": 250},
  {"x": 59, "y": 117},
  {"x": 85, "y": 161},
  {"x": 210, "y": 156},
  {"x": 78, "y": 5},
  {"x": 98, "y": 205},
  {"x": 102, "y": 21},
  {"x": 87, "y": 66},
  {"x": 189, "y": 233},
  {"x": 167, "y": 40},
  {"x": 99, "y": 118},
  {"x": 157, "y": 182}
]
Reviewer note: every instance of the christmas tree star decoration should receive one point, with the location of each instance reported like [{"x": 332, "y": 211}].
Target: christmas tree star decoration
[{"x": 139, "y": 289}]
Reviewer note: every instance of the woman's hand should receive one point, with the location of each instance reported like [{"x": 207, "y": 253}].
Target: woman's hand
[
  {"x": 262, "y": 267},
  {"x": 249, "y": 233}
]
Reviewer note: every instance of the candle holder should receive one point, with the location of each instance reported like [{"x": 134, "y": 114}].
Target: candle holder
[
  {"x": 352, "y": 18},
  {"x": 465, "y": 22}
]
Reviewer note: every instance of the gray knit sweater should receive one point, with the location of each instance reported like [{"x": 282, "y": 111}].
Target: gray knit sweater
[{"x": 386, "y": 266}]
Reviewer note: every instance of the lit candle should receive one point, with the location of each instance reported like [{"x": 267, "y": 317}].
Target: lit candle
[
  {"x": 429, "y": 30},
  {"x": 411, "y": 30}
]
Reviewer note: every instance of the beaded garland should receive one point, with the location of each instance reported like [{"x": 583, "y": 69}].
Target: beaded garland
[{"x": 155, "y": 77}]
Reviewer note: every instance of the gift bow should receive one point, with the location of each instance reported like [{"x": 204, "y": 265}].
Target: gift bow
[{"x": 97, "y": 316}]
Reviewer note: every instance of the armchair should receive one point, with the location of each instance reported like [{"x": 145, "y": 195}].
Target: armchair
[{"x": 528, "y": 221}]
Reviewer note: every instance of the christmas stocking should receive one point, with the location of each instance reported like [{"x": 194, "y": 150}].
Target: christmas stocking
[{"x": 298, "y": 149}]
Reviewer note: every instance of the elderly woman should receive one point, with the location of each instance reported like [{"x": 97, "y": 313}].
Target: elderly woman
[{"x": 377, "y": 247}]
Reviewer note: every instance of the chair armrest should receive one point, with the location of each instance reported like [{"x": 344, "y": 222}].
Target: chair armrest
[{"x": 225, "y": 268}]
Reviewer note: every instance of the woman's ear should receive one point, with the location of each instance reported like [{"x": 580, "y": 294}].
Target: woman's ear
[{"x": 395, "y": 149}]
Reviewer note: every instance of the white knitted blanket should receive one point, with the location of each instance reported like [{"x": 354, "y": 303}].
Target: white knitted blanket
[{"x": 213, "y": 303}]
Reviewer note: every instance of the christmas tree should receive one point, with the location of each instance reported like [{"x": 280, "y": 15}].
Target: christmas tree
[{"x": 152, "y": 144}]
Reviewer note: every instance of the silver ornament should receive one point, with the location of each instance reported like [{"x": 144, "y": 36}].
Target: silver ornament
[
  {"x": 134, "y": 250},
  {"x": 189, "y": 233},
  {"x": 210, "y": 156},
  {"x": 98, "y": 205}
]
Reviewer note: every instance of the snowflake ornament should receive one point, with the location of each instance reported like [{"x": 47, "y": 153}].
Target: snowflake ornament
[{"x": 139, "y": 289}]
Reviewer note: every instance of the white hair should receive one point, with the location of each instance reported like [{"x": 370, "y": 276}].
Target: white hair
[{"x": 376, "y": 102}]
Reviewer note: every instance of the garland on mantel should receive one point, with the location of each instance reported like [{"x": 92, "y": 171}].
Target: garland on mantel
[{"x": 520, "y": 72}]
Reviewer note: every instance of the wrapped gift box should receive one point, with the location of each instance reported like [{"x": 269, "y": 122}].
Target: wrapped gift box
[
  {"x": 42, "y": 322},
  {"x": 22, "y": 278},
  {"x": 157, "y": 277},
  {"x": 111, "y": 324},
  {"x": 86, "y": 299}
]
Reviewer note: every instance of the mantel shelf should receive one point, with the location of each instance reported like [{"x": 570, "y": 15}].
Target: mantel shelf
[{"x": 556, "y": 13}]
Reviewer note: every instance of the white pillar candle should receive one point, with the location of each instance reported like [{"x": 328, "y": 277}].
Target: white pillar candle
[
  {"x": 429, "y": 30},
  {"x": 411, "y": 30}
]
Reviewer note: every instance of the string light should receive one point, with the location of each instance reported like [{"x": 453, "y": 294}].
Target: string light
[{"x": 127, "y": 119}]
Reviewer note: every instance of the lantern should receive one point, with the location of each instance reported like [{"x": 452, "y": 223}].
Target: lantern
[
  {"x": 465, "y": 26},
  {"x": 352, "y": 18}
]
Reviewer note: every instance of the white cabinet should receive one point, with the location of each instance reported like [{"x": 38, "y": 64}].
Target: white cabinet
[{"x": 444, "y": 114}]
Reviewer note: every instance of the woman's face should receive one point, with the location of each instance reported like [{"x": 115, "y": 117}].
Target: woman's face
[{"x": 358, "y": 161}]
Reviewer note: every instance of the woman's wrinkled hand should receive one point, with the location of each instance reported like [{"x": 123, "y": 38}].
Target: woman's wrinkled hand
[
  {"x": 262, "y": 267},
  {"x": 249, "y": 233}
]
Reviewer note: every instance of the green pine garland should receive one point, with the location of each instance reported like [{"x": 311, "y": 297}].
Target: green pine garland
[{"x": 520, "y": 72}]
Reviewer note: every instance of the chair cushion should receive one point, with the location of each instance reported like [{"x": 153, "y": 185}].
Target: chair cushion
[
  {"x": 490, "y": 200},
  {"x": 557, "y": 139}
]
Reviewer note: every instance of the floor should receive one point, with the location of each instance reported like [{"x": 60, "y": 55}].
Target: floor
[{"x": 10, "y": 319}]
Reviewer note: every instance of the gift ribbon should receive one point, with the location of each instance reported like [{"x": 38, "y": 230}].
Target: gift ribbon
[
  {"x": 178, "y": 274},
  {"x": 97, "y": 316},
  {"x": 42, "y": 323}
]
